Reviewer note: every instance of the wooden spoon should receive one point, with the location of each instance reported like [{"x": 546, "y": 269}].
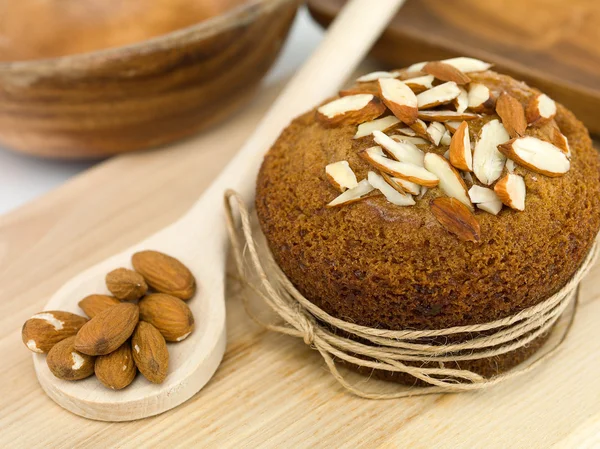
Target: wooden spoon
[{"x": 199, "y": 238}]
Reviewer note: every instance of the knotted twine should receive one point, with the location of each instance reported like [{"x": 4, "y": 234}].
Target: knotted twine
[{"x": 391, "y": 348}]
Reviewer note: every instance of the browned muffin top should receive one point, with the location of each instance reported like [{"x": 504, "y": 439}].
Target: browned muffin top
[{"x": 382, "y": 261}]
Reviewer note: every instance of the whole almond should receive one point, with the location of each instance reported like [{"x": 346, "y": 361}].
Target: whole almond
[
  {"x": 117, "y": 369},
  {"x": 456, "y": 218},
  {"x": 43, "y": 330},
  {"x": 150, "y": 352},
  {"x": 126, "y": 285},
  {"x": 67, "y": 363},
  {"x": 170, "y": 315},
  {"x": 165, "y": 274},
  {"x": 92, "y": 305},
  {"x": 108, "y": 330}
]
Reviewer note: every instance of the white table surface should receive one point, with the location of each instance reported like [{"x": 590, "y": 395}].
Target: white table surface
[{"x": 23, "y": 178}]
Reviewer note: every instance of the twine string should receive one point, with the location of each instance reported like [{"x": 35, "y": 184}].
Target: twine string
[{"x": 387, "y": 350}]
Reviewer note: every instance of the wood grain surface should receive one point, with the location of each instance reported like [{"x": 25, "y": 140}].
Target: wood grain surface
[
  {"x": 143, "y": 95},
  {"x": 271, "y": 390},
  {"x": 551, "y": 44}
]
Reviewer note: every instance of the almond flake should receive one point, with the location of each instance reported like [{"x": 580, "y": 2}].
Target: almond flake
[
  {"x": 511, "y": 112},
  {"x": 420, "y": 83},
  {"x": 461, "y": 103},
  {"x": 358, "y": 90},
  {"x": 511, "y": 191},
  {"x": 446, "y": 116},
  {"x": 540, "y": 108},
  {"x": 390, "y": 193},
  {"x": 404, "y": 170},
  {"x": 442, "y": 94},
  {"x": 409, "y": 139},
  {"x": 352, "y": 109},
  {"x": 380, "y": 124},
  {"x": 374, "y": 76},
  {"x": 350, "y": 195},
  {"x": 492, "y": 207},
  {"x": 401, "y": 151},
  {"x": 480, "y": 97},
  {"x": 420, "y": 128},
  {"x": 510, "y": 165},
  {"x": 446, "y": 140},
  {"x": 410, "y": 187},
  {"x": 452, "y": 126},
  {"x": 479, "y": 194},
  {"x": 446, "y": 72},
  {"x": 488, "y": 162},
  {"x": 451, "y": 182},
  {"x": 398, "y": 97},
  {"x": 407, "y": 132},
  {"x": 561, "y": 142},
  {"x": 456, "y": 218},
  {"x": 464, "y": 64},
  {"x": 537, "y": 155},
  {"x": 460, "y": 148},
  {"x": 435, "y": 131},
  {"x": 341, "y": 176}
]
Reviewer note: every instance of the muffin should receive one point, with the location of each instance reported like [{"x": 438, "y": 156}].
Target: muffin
[{"x": 440, "y": 195}]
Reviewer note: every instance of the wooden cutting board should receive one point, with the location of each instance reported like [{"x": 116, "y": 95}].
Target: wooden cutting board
[
  {"x": 552, "y": 44},
  {"x": 271, "y": 390}
]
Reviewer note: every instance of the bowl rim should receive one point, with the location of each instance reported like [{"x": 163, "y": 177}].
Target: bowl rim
[{"x": 240, "y": 15}]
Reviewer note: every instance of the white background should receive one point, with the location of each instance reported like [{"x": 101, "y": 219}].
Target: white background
[{"x": 23, "y": 178}]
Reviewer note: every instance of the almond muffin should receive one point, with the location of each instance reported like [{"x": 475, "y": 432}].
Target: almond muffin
[{"x": 440, "y": 195}]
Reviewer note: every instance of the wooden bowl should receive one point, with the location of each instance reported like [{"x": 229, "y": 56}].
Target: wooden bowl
[{"x": 64, "y": 93}]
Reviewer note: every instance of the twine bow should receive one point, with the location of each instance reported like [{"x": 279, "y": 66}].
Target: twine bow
[{"x": 389, "y": 349}]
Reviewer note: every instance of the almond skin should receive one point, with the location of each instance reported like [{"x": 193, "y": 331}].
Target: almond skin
[
  {"x": 117, "y": 369},
  {"x": 171, "y": 316},
  {"x": 456, "y": 218},
  {"x": 67, "y": 363},
  {"x": 126, "y": 285},
  {"x": 165, "y": 274},
  {"x": 92, "y": 305},
  {"x": 45, "y": 329},
  {"x": 150, "y": 352},
  {"x": 108, "y": 330}
]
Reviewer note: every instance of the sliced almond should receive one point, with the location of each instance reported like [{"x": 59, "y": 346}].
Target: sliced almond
[
  {"x": 398, "y": 97},
  {"x": 460, "y": 148},
  {"x": 409, "y": 187},
  {"x": 561, "y": 142},
  {"x": 492, "y": 207},
  {"x": 435, "y": 131},
  {"x": 511, "y": 112},
  {"x": 380, "y": 124},
  {"x": 420, "y": 83},
  {"x": 401, "y": 151},
  {"x": 341, "y": 176},
  {"x": 461, "y": 103},
  {"x": 446, "y": 140},
  {"x": 510, "y": 165},
  {"x": 540, "y": 108},
  {"x": 404, "y": 170},
  {"x": 374, "y": 76},
  {"x": 352, "y": 109},
  {"x": 420, "y": 128},
  {"x": 537, "y": 155},
  {"x": 456, "y": 218},
  {"x": 442, "y": 94},
  {"x": 352, "y": 195},
  {"x": 488, "y": 162},
  {"x": 451, "y": 182},
  {"x": 446, "y": 116},
  {"x": 479, "y": 194},
  {"x": 407, "y": 132},
  {"x": 511, "y": 191},
  {"x": 480, "y": 98},
  {"x": 446, "y": 72},
  {"x": 452, "y": 126},
  {"x": 464, "y": 64},
  {"x": 390, "y": 193},
  {"x": 364, "y": 88},
  {"x": 409, "y": 139}
]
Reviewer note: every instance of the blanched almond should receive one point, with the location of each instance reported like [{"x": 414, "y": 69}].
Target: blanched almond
[
  {"x": 488, "y": 162},
  {"x": 537, "y": 155},
  {"x": 435, "y": 131},
  {"x": 480, "y": 98},
  {"x": 399, "y": 98},
  {"x": 409, "y": 139},
  {"x": 390, "y": 193},
  {"x": 352, "y": 109},
  {"x": 460, "y": 148},
  {"x": 442, "y": 94},
  {"x": 341, "y": 176},
  {"x": 511, "y": 112},
  {"x": 456, "y": 218},
  {"x": 446, "y": 116},
  {"x": 451, "y": 182},
  {"x": 380, "y": 124},
  {"x": 401, "y": 151},
  {"x": 462, "y": 63},
  {"x": 404, "y": 170},
  {"x": 420, "y": 83},
  {"x": 540, "y": 108},
  {"x": 446, "y": 72},
  {"x": 352, "y": 195},
  {"x": 374, "y": 76},
  {"x": 511, "y": 191}
]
